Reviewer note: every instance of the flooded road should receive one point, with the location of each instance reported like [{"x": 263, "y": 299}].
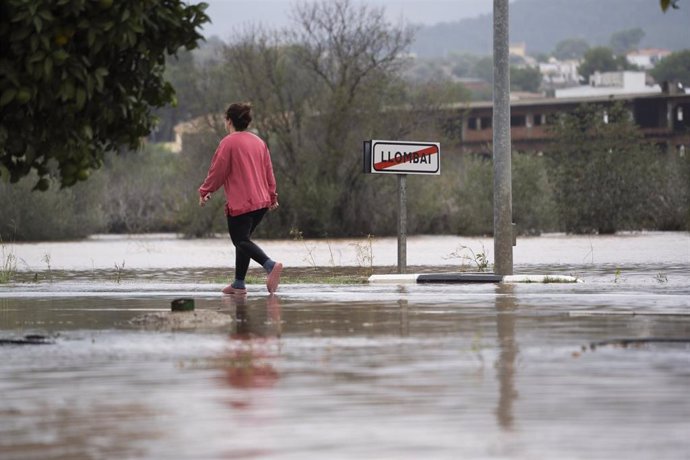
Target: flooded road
[{"x": 594, "y": 370}]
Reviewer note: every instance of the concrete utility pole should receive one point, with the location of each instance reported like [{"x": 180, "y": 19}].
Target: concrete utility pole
[{"x": 503, "y": 195}]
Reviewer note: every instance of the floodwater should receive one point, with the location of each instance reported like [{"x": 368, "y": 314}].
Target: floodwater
[{"x": 593, "y": 370}]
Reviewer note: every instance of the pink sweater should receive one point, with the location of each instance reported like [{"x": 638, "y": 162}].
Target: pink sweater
[{"x": 242, "y": 166}]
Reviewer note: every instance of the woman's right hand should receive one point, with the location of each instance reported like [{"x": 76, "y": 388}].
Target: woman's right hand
[{"x": 204, "y": 199}]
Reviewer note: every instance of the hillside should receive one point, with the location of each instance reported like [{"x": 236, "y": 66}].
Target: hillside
[{"x": 541, "y": 24}]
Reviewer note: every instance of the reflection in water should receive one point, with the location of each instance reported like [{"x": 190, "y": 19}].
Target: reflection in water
[
  {"x": 404, "y": 318},
  {"x": 389, "y": 374},
  {"x": 246, "y": 364},
  {"x": 506, "y": 307},
  {"x": 70, "y": 429}
]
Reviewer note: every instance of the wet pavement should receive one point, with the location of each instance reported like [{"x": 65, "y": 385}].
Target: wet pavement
[{"x": 594, "y": 370}]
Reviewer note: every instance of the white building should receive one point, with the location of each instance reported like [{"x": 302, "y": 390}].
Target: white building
[
  {"x": 647, "y": 58},
  {"x": 611, "y": 83},
  {"x": 559, "y": 73}
]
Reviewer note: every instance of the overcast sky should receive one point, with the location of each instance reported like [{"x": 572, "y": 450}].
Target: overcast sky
[{"x": 228, "y": 15}]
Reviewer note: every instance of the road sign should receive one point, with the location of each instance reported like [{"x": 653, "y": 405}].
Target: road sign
[{"x": 402, "y": 157}]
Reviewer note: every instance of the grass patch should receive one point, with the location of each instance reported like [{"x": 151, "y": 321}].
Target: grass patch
[{"x": 8, "y": 267}]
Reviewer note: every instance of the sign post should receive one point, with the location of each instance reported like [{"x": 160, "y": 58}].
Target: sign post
[
  {"x": 402, "y": 223},
  {"x": 402, "y": 158}
]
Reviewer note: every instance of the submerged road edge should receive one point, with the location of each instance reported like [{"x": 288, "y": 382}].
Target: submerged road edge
[{"x": 464, "y": 278}]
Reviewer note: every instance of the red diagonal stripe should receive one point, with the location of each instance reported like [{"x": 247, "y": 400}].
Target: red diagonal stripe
[{"x": 421, "y": 153}]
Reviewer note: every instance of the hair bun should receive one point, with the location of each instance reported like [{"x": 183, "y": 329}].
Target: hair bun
[{"x": 240, "y": 113}]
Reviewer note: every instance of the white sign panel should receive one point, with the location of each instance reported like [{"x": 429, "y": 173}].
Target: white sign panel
[{"x": 402, "y": 157}]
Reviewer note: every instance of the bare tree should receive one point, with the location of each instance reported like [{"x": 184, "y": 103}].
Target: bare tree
[
  {"x": 264, "y": 66},
  {"x": 319, "y": 89},
  {"x": 355, "y": 53}
]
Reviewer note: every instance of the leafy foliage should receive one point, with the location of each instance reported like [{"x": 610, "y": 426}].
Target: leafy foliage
[
  {"x": 602, "y": 59},
  {"x": 192, "y": 165},
  {"x": 665, "y": 4},
  {"x": 600, "y": 170},
  {"x": 626, "y": 40},
  {"x": 78, "y": 78},
  {"x": 319, "y": 91},
  {"x": 69, "y": 213},
  {"x": 525, "y": 79},
  {"x": 570, "y": 48},
  {"x": 675, "y": 67},
  {"x": 533, "y": 197},
  {"x": 143, "y": 191}
]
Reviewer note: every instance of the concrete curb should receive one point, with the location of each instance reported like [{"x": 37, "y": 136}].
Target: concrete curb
[{"x": 469, "y": 278}]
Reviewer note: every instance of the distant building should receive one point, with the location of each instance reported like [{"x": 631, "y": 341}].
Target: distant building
[
  {"x": 475, "y": 84},
  {"x": 518, "y": 49},
  {"x": 611, "y": 83},
  {"x": 210, "y": 122},
  {"x": 663, "y": 118},
  {"x": 557, "y": 73},
  {"x": 647, "y": 58}
]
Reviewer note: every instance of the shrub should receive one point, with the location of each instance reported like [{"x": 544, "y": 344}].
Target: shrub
[
  {"x": 142, "y": 191},
  {"x": 55, "y": 214},
  {"x": 599, "y": 170},
  {"x": 534, "y": 210},
  {"x": 670, "y": 197},
  {"x": 193, "y": 221}
]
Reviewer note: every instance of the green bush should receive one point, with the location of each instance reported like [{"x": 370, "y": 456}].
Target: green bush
[
  {"x": 600, "y": 171},
  {"x": 460, "y": 201},
  {"x": 670, "y": 195},
  {"x": 193, "y": 221},
  {"x": 55, "y": 214},
  {"x": 534, "y": 210},
  {"x": 474, "y": 196},
  {"x": 143, "y": 191},
  {"x": 600, "y": 178}
]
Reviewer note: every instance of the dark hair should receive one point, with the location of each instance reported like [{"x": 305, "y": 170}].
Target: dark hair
[{"x": 240, "y": 113}]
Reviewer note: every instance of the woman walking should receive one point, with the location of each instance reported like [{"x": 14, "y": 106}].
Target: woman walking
[{"x": 242, "y": 166}]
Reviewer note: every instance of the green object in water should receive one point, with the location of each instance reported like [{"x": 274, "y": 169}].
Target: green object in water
[{"x": 182, "y": 305}]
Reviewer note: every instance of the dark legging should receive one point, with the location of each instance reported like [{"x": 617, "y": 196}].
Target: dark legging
[{"x": 241, "y": 228}]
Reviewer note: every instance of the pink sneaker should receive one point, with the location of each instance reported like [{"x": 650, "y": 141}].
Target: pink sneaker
[
  {"x": 233, "y": 291},
  {"x": 274, "y": 278}
]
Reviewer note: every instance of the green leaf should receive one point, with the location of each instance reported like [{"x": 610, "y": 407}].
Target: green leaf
[
  {"x": 46, "y": 14},
  {"x": 7, "y": 96},
  {"x": 42, "y": 73},
  {"x": 99, "y": 82},
  {"x": 33, "y": 43},
  {"x": 39, "y": 56},
  {"x": 38, "y": 23},
  {"x": 80, "y": 98},
  {"x": 90, "y": 83},
  {"x": 67, "y": 89},
  {"x": 48, "y": 67},
  {"x": 60, "y": 55},
  {"x": 665, "y": 4},
  {"x": 20, "y": 34}
]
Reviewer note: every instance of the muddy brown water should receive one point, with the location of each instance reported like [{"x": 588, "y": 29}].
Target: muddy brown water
[{"x": 318, "y": 371}]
